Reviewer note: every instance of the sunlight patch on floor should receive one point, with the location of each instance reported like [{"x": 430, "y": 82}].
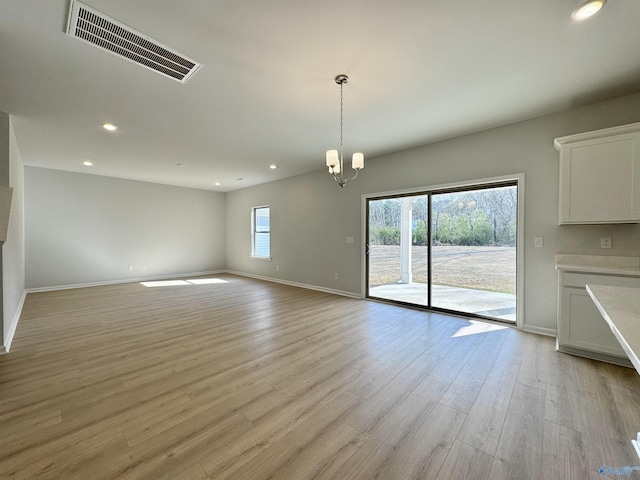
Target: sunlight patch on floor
[{"x": 476, "y": 327}]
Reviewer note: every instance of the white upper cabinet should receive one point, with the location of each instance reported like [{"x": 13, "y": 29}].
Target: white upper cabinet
[{"x": 600, "y": 176}]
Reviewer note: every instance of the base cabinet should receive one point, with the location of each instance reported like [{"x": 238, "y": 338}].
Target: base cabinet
[{"x": 581, "y": 328}]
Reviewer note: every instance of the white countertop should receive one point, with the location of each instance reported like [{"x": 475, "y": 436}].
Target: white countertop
[
  {"x": 613, "y": 265},
  {"x": 620, "y": 307}
]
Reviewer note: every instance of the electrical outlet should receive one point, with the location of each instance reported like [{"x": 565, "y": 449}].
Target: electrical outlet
[
  {"x": 538, "y": 242},
  {"x": 335, "y": 276},
  {"x": 277, "y": 268},
  {"x": 131, "y": 268},
  {"x": 605, "y": 242},
  {"x": 350, "y": 239}
]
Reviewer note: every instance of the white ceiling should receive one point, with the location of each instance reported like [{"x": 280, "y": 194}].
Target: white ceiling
[{"x": 420, "y": 71}]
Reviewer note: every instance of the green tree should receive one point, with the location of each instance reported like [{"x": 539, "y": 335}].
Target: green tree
[
  {"x": 385, "y": 236},
  {"x": 420, "y": 233}
]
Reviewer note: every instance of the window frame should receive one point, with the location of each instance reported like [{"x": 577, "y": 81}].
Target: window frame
[{"x": 255, "y": 229}]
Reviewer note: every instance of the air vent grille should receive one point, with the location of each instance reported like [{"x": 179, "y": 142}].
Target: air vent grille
[{"x": 104, "y": 32}]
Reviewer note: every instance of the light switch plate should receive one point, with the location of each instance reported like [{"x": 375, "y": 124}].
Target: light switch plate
[
  {"x": 605, "y": 242},
  {"x": 538, "y": 242}
]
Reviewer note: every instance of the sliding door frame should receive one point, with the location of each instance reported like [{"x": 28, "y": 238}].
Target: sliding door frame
[{"x": 518, "y": 179}]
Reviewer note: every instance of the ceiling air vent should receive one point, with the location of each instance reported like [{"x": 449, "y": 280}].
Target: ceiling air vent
[{"x": 96, "y": 28}]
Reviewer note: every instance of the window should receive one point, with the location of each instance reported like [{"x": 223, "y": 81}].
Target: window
[{"x": 260, "y": 232}]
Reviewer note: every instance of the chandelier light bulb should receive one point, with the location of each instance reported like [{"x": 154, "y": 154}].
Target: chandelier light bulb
[
  {"x": 357, "y": 161},
  {"x": 332, "y": 158}
]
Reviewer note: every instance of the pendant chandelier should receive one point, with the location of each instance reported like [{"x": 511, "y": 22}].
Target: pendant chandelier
[{"x": 335, "y": 160}]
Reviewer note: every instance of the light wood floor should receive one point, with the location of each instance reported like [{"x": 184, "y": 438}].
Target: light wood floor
[{"x": 252, "y": 380}]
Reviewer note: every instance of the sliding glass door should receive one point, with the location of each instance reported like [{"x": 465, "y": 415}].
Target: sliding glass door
[
  {"x": 452, "y": 250},
  {"x": 398, "y": 248}
]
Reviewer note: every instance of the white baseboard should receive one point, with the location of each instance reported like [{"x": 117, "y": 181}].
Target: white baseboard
[
  {"x": 602, "y": 357},
  {"x": 549, "y": 332},
  {"x": 344, "y": 293},
  {"x": 127, "y": 280},
  {"x": 14, "y": 324}
]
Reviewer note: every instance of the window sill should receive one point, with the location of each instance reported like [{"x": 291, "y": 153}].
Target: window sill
[{"x": 268, "y": 259}]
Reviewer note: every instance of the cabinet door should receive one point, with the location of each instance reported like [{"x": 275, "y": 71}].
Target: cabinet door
[
  {"x": 600, "y": 180},
  {"x": 583, "y": 326}
]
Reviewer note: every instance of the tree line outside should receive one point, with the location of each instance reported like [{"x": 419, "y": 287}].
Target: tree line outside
[{"x": 476, "y": 217}]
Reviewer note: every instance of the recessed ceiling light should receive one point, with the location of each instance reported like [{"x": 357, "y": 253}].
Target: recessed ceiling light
[
  {"x": 109, "y": 126},
  {"x": 87, "y": 163},
  {"x": 217, "y": 184},
  {"x": 180, "y": 164},
  {"x": 239, "y": 179},
  {"x": 273, "y": 166},
  {"x": 588, "y": 9}
]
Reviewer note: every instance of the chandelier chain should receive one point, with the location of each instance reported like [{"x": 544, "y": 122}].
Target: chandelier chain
[{"x": 341, "y": 108}]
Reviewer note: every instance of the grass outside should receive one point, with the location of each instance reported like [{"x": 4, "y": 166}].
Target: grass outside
[{"x": 479, "y": 268}]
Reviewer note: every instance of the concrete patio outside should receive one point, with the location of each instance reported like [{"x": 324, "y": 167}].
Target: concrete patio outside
[{"x": 497, "y": 305}]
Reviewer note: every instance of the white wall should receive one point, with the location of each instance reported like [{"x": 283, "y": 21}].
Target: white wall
[
  {"x": 84, "y": 229},
  {"x": 311, "y": 216},
  {"x": 13, "y": 250},
  {"x": 310, "y": 220}
]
